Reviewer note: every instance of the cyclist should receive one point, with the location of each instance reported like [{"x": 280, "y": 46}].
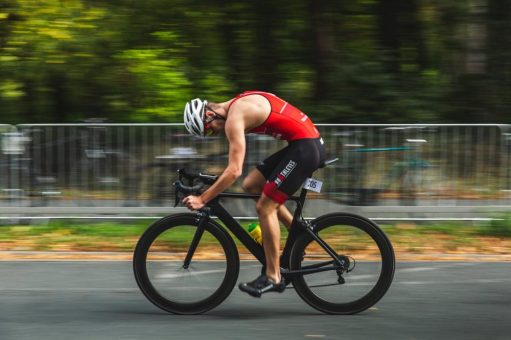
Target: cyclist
[{"x": 275, "y": 178}]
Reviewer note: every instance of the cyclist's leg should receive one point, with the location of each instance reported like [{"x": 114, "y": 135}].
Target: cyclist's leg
[
  {"x": 254, "y": 184},
  {"x": 271, "y": 280},
  {"x": 284, "y": 178},
  {"x": 267, "y": 213}
]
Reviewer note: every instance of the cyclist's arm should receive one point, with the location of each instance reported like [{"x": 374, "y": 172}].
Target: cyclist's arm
[{"x": 235, "y": 133}]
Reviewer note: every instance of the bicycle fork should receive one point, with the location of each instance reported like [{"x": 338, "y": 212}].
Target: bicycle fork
[{"x": 202, "y": 217}]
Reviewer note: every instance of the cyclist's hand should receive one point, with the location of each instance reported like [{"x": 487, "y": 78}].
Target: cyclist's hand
[{"x": 193, "y": 202}]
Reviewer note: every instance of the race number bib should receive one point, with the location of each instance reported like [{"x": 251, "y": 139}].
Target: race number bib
[{"x": 313, "y": 185}]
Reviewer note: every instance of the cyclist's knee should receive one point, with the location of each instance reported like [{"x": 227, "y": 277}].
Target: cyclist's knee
[
  {"x": 266, "y": 206},
  {"x": 252, "y": 186}
]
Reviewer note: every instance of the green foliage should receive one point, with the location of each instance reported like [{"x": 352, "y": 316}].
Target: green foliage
[
  {"x": 362, "y": 61},
  {"x": 498, "y": 227},
  {"x": 161, "y": 84}
]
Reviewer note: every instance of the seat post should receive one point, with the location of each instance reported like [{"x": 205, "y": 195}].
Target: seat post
[{"x": 295, "y": 230}]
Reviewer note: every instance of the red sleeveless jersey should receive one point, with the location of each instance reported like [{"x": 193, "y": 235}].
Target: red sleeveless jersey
[{"x": 284, "y": 122}]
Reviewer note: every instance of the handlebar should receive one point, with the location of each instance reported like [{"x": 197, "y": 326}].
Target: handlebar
[
  {"x": 204, "y": 178},
  {"x": 187, "y": 190},
  {"x": 193, "y": 188}
]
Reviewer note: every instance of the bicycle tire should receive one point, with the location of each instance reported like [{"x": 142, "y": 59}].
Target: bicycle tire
[
  {"x": 225, "y": 247},
  {"x": 358, "y": 227}
]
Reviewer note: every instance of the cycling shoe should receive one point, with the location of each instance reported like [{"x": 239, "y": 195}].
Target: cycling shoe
[
  {"x": 283, "y": 271},
  {"x": 262, "y": 285}
]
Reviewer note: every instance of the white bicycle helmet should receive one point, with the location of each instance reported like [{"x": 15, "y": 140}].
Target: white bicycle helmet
[{"x": 194, "y": 116}]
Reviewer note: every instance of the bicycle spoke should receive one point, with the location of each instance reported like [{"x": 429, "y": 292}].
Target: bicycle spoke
[{"x": 168, "y": 272}]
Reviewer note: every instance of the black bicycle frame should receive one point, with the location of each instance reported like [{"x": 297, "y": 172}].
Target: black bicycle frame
[{"x": 298, "y": 226}]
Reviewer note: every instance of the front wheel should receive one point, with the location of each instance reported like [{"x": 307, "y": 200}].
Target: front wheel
[
  {"x": 363, "y": 273},
  {"x": 172, "y": 284}
]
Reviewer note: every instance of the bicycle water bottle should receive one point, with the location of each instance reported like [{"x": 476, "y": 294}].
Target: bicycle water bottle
[{"x": 255, "y": 231}]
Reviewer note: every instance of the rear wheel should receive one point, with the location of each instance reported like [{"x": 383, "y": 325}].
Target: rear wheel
[
  {"x": 363, "y": 278},
  {"x": 165, "y": 279}
]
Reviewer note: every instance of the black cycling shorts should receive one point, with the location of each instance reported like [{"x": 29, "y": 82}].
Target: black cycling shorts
[{"x": 287, "y": 169}]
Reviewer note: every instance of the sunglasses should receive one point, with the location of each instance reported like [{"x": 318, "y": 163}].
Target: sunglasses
[{"x": 207, "y": 122}]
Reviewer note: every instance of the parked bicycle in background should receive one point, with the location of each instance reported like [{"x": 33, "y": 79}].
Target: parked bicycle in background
[{"x": 387, "y": 164}]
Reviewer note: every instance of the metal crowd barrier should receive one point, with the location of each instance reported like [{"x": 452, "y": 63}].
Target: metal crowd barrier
[
  {"x": 11, "y": 160},
  {"x": 128, "y": 169}
]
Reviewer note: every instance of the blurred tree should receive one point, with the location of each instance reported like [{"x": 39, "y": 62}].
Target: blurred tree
[
  {"x": 49, "y": 50},
  {"x": 498, "y": 51},
  {"x": 160, "y": 83},
  {"x": 363, "y": 61}
]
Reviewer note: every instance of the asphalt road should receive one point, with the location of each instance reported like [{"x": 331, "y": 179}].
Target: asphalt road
[{"x": 100, "y": 300}]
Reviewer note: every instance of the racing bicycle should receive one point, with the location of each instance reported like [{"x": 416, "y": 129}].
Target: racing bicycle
[{"x": 188, "y": 263}]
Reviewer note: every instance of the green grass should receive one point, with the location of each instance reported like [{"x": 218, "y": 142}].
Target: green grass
[
  {"x": 119, "y": 236},
  {"x": 500, "y": 227},
  {"x": 122, "y": 236}
]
